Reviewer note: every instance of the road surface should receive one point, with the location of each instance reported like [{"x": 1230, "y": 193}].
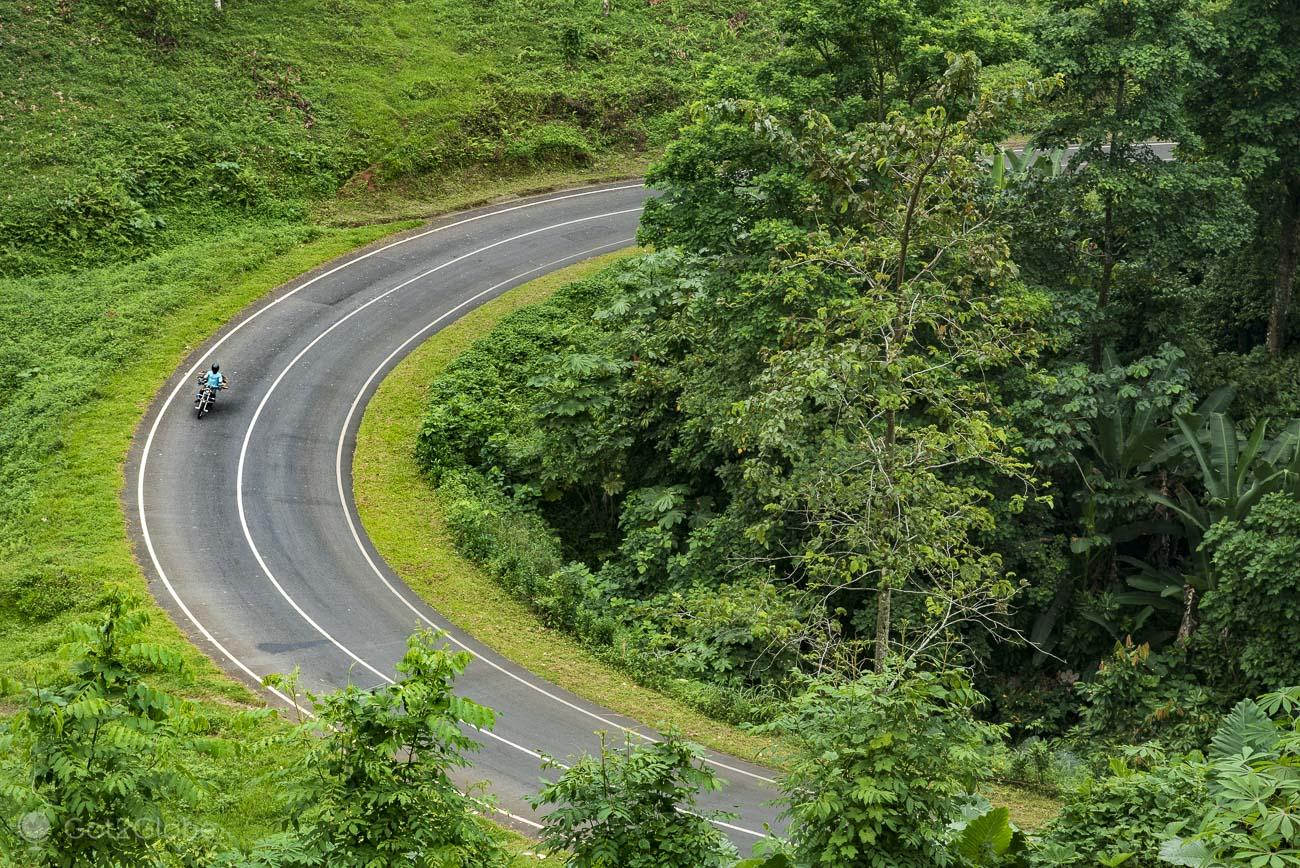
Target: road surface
[{"x": 244, "y": 520}]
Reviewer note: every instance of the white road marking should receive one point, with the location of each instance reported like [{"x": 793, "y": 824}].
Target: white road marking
[
  {"x": 248, "y": 436},
  {"x": 184, "y": 380},
  {"x": 356, "y": 536},
  {"x": 257, "y": 415}
]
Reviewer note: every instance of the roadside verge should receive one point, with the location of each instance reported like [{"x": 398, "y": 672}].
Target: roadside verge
[{"x": 402, "y": 514}]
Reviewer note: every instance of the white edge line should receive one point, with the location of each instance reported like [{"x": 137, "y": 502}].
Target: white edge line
[
  {"x": 356, "y": 536},
  {"x": 261, "y": 406},
  {"x": 184, "y": 380}
]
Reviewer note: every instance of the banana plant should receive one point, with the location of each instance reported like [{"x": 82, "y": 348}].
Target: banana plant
[
  {"x": 1235, "y": 472},
  {"x": 1119, "y": 449},
  {"x": 1010, "y": 164}
]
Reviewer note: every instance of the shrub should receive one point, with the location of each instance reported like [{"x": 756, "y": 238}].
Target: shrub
[
  {"x": 1256, "y": 794},
  {"x": 1138, "y": 695},
  {"x": 163, "y": 21},
  {"x": 379, "y": 786},
  {"x": 740, "y": 633},
  {"x": 98, "y": 758},
  {"x": 552, "y": 143},
  {"x": 1253, "y": 617},
  {"x": 1123, "y": 811},
  {"x": 635, "y": 808},
  {"x": 1037, "y": 764},
  {"x": 509, "y": 540},
  {"x": 882, "y": 766}
]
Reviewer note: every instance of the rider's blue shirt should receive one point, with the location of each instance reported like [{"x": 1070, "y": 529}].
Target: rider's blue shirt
[{"x": 214, "y": 380}]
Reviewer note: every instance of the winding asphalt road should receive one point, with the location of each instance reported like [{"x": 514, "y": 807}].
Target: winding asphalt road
[{"x": 245, "y": 522}]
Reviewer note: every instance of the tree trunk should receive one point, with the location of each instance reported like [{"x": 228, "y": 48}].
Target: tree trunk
[
  {"x": 1103, "y": 288},
  {"x": 883, "y": 601},
  {"x": 1108, "y": 250},
  {"x": 1188, "y": 625},
  {"x": 1286, "y": 264}
]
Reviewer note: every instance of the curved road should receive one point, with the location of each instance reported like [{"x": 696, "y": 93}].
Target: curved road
[{"x": 245, "y": 524}]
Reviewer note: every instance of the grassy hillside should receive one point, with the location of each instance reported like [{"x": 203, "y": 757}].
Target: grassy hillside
[
  {"x": 166, "y": 165},
  {"x": 175, "y": 161},
  {"x": 129, "y": 135}
]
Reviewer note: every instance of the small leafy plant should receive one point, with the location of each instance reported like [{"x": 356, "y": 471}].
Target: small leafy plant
[{"x": 634, "y": 808}]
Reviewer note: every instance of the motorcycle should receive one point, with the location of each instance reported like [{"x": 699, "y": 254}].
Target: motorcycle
[{"x": 206, "y": 397}]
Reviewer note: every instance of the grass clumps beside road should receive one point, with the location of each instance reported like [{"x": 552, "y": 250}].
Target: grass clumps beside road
[
  {"x": 94, "y": 350},
  {"x": 403, "y": 515},
  {"x": 406, "y": 516},
  {"x": 137, "y": 126}
]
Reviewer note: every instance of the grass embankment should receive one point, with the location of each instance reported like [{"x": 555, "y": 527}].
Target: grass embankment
[
  {"x": 104, "y": 341},
  {"x": 132, "y": 137},
  {"x": 402, "y": 514}
]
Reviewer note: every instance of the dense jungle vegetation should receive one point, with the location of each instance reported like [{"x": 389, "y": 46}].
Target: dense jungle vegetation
[
  {"x": 907, "y": 447},
  {"x": 938, "y": 462},
  {"x": 166, "y": 163}
]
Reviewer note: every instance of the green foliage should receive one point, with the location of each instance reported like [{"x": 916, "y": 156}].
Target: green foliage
[
  {"x": 164, "y": 21},
  {"x": 1122, "y": 696},
  {"x": 1248, "y": 111},
  {"x": 511, "y": 541},
  {"x": 99, "y": 774},
  {"x": 1116, "y": 233},
  {"x": 731, "y": 633},
  {"x": 883, "y": 766},
  {"x": 989, "y": 838},
  {"x": 1100, "y": 432},
  {"x": 1254, "y": 789},
  {"x": 864, "y": 418},
  {"x": 552, "y": 143},
  {"x": 1122, "y": 815},
  {"x": 634, "y": 807},
  {"x": 1039, "y": 765},
  {"x": 1250, "y": 617},
  {"x": 887, "y": 53},
  {"x": 379, "y": 788}
]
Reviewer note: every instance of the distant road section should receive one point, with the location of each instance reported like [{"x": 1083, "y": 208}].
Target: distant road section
[{"x": 244, "y": 520}]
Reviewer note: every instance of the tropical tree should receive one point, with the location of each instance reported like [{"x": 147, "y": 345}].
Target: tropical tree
[
  {"x": 882, "y": 766},
  {"x": 1249, "y": 113},
  {"x": 1112, "y": 217},
  {"x": 100, "y": 757},
  {"x": 871, "y": 407},
  {"x": 634, "y": 807},
  {"x": 887, "y": 54},
  {"x": 1098, "y": 432},
  {"x": 1234, "y": 473},
  {"x": 377, "y": 788}
]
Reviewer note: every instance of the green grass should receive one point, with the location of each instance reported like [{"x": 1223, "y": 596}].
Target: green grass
[
  {"x": 87, "y": 353},
  {"x": 280, "y": 110},
  {"x": 403, "y": 516},
  {"x": 1030, "y": 810},
  {"x": 64, "y": 532}
]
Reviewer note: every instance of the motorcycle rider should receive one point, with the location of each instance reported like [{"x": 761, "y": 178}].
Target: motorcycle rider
[{"x": 213, "y": 379}]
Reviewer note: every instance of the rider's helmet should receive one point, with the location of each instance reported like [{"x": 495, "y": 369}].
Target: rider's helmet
[{"x": 216, "y": 368}]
